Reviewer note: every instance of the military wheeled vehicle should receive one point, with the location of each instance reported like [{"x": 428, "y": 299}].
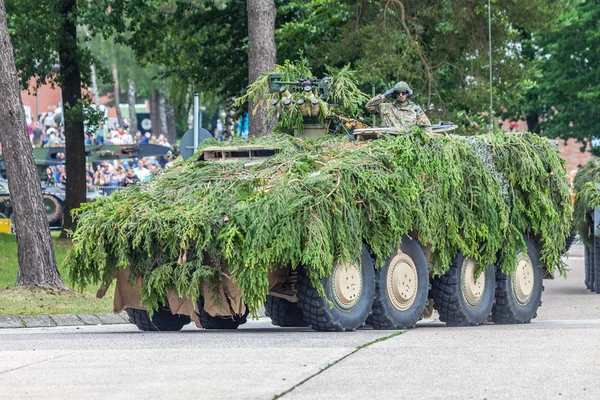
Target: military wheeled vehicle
[
  {"x": 372, "y": 228},
  {"x": 53, "y": 193},
  {"x": 586, "y": 220}
]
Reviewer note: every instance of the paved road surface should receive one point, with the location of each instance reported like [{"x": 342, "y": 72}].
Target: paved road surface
[{"x": 556, "y": 357}]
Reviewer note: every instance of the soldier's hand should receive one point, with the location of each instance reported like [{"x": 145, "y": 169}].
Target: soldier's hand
[{"x": 389, "y": 92}]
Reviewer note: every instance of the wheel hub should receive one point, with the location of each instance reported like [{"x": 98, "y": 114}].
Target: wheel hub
[
  {"x": 472, "y": 289},
  {"x": 522, "y": 279},
  {"x": 347, "y": 285},
  {"x": 49, "y": 208},
  {"x": 402, "y": 281}
]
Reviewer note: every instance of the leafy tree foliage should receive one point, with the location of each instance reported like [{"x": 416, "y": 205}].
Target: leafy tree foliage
[
  {"x": 440, "y": 48},
  {"x": 570, "y": 79}
]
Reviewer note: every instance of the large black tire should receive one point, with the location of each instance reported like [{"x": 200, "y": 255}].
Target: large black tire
[
  {"x": 570, "y": 240},
  {"x": 588, "y": 263},
  {"x": 458, "y": 302},
  {"x": 162, "y": 320},
  {"x": 53, "y": 208},
  {"x": 595, "y": 268},
  {"x": 284, "y": 313},
  {"x": 401, "y": 288},
  {"x": 226, "y": 322},
  {"x": 518, "y": 296},
  {"x": 350, "y": 307}
]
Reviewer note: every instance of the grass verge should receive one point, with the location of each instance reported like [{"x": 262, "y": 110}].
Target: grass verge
[{"x": 21, "y": 301}]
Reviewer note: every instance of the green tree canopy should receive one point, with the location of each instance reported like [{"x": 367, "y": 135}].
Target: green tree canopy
[{"x": 570, "y": 80}]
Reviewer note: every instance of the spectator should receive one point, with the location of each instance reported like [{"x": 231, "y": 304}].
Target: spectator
[
  {"x": 89, "y": 182},
  {"x": 126, "y": 138},
  {"x": 162, "y": 140},
  {"x": 48, "y": 121},
  {"x": 53, "y": 139},
  {"x": 50, "y": 178},
  {"x": 130, "y": 177},
  {"x": 102, "y": 131},
  {"x": 146, "y": 138},
  {"x": 30, "y": 129},
  {"x": 116, "y": 138},
  {"x": 119, "y": 175},
  {"x": 37, "y": 135},
  {"x": 141, "y": 171}
]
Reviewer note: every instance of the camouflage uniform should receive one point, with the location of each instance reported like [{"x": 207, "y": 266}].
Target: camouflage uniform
[{"x": 398, "y": 116}]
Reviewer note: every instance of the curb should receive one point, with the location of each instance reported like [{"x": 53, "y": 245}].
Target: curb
[{"x": 52, "y": 320}]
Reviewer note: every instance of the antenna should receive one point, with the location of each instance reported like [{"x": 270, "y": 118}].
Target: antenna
[{"x": 490, "y": 51}]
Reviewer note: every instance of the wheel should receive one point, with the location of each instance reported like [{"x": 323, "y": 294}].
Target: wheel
[
  {"x": 518, "y": 295},
  {"x": 588, "y": 263},
  {"x": 53, "y": 208},
  {"x": 350, "y": 289},
  {"x": 459, "y": 298},
  {"x": 570, "y": 240},
  {"x": 225, "y": 322},
  {"x": 162, "y": 320},
  {"x": 595, "y": 267},
  {"x": 401, "y": 288},
  {"x": 284, "y": 313}
]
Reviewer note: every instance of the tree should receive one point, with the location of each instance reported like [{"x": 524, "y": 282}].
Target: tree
[
  {"x": 261, "y": 55},
  {"x": 42, "y": 33},
  {"x": 70, "y": 82},
  {"x": 202, "y": 44},
  {"x": 570, "y": 79},
  {"x": 441, "y": 48},
  {"x": 37, "y": 263}
]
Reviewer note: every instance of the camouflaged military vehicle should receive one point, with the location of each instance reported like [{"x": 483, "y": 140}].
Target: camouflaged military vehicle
[{"x": 367, "y": 228}]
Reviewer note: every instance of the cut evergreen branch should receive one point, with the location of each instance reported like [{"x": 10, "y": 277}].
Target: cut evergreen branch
[
  {"x": 587, "y": 196},
  {"x": 315, "y": 203},
  {"x": 344, "y": 95}
]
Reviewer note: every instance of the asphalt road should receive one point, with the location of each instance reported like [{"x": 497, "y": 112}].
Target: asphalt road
[{"x": 556, "y": 356}]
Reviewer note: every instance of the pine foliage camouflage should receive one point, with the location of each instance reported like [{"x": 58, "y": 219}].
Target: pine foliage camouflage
[
  {"x": 313, "y": 205},
  {"x": 587, "y": 196}
]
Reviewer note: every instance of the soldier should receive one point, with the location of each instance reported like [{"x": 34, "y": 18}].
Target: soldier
[{"x": 400, "y": 113}]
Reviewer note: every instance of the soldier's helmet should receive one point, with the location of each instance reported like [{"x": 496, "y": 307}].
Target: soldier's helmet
[{"x": 403, "y": 87}]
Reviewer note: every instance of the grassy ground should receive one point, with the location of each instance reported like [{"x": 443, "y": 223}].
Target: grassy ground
[{"x": 18, "y": 301}]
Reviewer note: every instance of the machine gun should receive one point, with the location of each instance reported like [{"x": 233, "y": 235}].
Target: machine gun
[
  {"x": 320, "y": 87},
  {"x": 346, "y": 124}
]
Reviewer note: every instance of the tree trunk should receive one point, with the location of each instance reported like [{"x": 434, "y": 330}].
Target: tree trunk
[
  {"x": 162, "y": 112},
  {"x": 532, "y": 121},
  {"x": 261, "y": 55},
  {"x": 171, "y": 125},
  {"x": 37, "y": 264},
  {"x": 132, "y": 113},
  {"x": 95, "y": 93},
  {"x": 116, "y": 96},
  {"x": 154, "y": 113},
  {"x": 229, "y": 128},
  {"x": 70, "y": 82}
]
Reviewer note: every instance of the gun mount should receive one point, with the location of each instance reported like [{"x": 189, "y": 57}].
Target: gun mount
[{"x": 320, "y": 87}]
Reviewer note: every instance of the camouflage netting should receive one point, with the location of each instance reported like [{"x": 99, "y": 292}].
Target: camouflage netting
[
  {"x": 314, "y": 203},
  {"x": 587, "y": 196}
]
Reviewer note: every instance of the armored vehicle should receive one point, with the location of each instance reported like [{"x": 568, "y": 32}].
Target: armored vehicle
[
  {"x": 333, "y": 232},
  {"x": 586, "y": 220},
  {"x": 53, "y": 193}
]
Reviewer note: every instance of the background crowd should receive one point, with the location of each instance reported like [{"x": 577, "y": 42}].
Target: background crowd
[{"x": 103, "y": 177}]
